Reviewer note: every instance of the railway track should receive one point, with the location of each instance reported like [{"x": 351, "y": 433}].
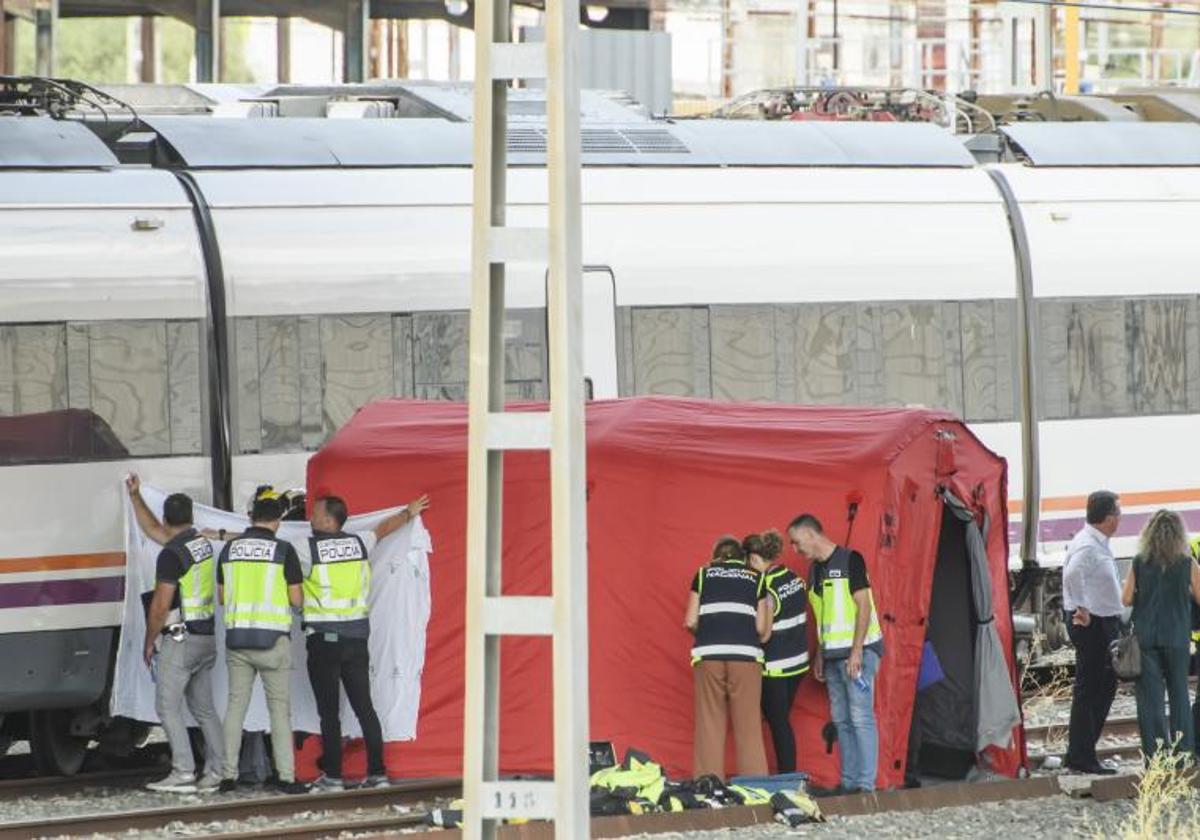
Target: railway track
[
  {"x": 281, "y": 807},
  {"x": 11, "y": 789},
  {"x": 1114, "y": 728},
  {"x": 1039, "y": 739}
]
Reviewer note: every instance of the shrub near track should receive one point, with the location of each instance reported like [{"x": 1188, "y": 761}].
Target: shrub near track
[{"x": 1168, "y": 804}]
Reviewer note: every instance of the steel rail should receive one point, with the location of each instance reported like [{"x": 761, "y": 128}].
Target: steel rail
[{"x": 217, "y": 808}]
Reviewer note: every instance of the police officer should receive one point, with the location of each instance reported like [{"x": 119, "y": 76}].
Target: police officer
[
  {"x": 786, "y": 650},
  {"x": 727, "y": 612},
  {"x": 336, "y": 587},
  {"x": 179, "y": 631},
  {"x": 850, "y": 647},
  {"x": 260, "y": 580}
]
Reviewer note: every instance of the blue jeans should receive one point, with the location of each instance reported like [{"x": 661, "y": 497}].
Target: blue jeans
[{"x": 853, "y": 713}]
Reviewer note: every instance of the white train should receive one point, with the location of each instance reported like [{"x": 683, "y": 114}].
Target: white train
[{"x": 209, "y": 319}]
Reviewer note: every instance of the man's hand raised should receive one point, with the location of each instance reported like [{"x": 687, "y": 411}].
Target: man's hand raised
[{"x": 417, "y": 505}]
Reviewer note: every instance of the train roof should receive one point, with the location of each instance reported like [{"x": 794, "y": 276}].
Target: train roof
[
  {"x": 216, "y": 143},
  {"x": 1106, "y": 144},
  {"x": 43, "y": 143}
]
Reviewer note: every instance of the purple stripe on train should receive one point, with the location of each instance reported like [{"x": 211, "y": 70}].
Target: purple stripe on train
[
  {"x": 1062, "y": 530},
  {"x": 57, "y": 593}
]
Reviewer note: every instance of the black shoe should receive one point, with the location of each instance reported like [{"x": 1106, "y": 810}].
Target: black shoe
[
  {"x": 292, "y": 788},
  {"x": 1092, "y": 768},
  {"x": 227, "y": 786}
]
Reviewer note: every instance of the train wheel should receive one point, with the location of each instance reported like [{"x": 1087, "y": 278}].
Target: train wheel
[{"x": 56, "y": 752}]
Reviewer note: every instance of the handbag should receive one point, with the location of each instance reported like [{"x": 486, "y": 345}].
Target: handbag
[{"x": 1126, "y": 655}]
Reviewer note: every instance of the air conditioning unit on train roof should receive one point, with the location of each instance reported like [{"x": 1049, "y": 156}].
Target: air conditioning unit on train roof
[
  {"x": 361, "y": 109},
  {"x": 274, "y": 106},
  {"x": 253, "y": 109}
]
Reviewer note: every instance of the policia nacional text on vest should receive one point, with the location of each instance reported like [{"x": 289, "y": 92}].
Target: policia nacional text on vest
[
  {"x": 786, "y": 652},
  {"x": 337, "y": 586},
  {"x": 257, "y": 610},
  {"x": 834, "y": 608},
  {"x": 729, "y": 595},
  {"x": 196, "y": 603}
]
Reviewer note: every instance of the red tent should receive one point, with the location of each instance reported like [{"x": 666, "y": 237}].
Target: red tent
[{"x": 667, "y": 476}]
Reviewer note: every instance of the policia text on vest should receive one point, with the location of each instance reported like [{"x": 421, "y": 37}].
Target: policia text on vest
[
  {"x": 337, "y": 584},
  {"x": 259, "y": 581},
  {"x": 180, "y": 645}
]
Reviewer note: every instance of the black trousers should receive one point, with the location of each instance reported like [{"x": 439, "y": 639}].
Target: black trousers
[
  {"x": 344, "y": 661},
  {"x": 1094, "y": 689},
  {"x": 778, "y": 694}
]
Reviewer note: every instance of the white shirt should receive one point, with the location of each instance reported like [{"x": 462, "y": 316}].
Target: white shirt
[
  {"x": 304, "y": 547},
  {"x": 1090, "y": 575}
]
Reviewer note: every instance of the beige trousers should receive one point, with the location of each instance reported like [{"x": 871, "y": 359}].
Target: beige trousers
[
  {"x": 724, "y": 690},
  {"x": 274, "y": 665}
]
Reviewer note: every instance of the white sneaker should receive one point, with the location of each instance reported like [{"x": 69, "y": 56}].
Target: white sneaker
[
  {"x": 324, "y": 784},
  {"x": 175, "y": 783},
  {"x": 378, "y": 781},
  {"x": 209, "y": 784}
]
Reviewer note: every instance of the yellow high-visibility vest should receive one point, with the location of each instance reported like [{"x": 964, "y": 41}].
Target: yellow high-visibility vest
[
  {"x": 835, "y": 610},
  {"x": 339, "y": 581}
]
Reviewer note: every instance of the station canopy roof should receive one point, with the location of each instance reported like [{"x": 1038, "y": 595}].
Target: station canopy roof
[
  {"x": 315, "y": 142},
  {"x": 42, "y": 142},
  {"x": 1107, "y": 144}
]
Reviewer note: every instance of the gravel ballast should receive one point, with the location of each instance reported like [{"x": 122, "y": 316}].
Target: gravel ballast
[{"x": 1050, "y": 818}]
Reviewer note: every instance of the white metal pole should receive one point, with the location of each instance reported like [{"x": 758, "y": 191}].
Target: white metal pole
[
  {"x": 802, "y": 43},
  {"x": 491, "y": 614},
  {"x": 1044, "y": 39},
  {"x": 568, "y": 468},
  {"x": 481, "y": 718}
]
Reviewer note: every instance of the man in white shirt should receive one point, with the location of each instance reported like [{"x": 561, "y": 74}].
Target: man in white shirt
[{"x": 1092, "y": 606}]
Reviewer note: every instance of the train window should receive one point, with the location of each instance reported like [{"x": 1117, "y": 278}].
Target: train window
[
  {"x": 440, "y": 355},
  {"x": 100, "y": 390},
  {"x": 526, "y": 363},
  {"x": 743, "y": 353},
  {"x": 299, "y": 379},
  {"x": 817, "y": 349},
  {"x": 947, "y": 355},
  {"x": 358, "y": 355},
  {"x": 921, "y": 354},
  {"x": 33, "y": 370},
  {"x": 1115, "y": 357},
  {"x": 989, "y": 359},
  {"x": 1085, "y": 367},
  {"x": 1161, "y": 369},
  {"x": 669, "y": 348}
]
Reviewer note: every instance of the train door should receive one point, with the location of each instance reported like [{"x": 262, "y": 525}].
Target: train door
[{"x": 600, "y": 331}]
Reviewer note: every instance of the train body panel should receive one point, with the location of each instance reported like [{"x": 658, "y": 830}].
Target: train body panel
[
  {"x": 102, "y": 245},
  {"x": 848, "y": 285}
]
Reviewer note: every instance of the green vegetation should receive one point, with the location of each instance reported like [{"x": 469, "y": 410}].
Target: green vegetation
[{"x": 98, "y": 50}]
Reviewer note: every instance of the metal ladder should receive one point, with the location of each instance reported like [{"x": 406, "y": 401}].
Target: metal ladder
[{"x": 493, "y": 431}]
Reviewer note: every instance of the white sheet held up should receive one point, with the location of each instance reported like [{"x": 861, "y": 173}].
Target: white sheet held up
[{"x": 399, "y": 605}]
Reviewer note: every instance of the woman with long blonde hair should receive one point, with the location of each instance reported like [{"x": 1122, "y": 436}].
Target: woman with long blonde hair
[{"x": 1160, "y": 587}]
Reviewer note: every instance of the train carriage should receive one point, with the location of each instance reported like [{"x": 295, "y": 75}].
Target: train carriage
[{"x": 211, "y": 318}]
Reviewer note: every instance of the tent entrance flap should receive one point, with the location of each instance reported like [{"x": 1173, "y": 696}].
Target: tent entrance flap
[{"x": 947, "y": 711}]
